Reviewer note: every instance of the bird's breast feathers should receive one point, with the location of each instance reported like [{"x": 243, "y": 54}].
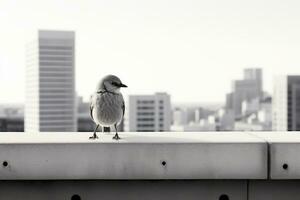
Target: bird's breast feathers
[{"x": 107, "y": 108}]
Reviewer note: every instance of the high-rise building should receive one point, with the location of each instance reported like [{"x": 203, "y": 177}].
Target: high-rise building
[
  {"x": 254, "y": 74},
  {"x": 286, "y": 103},
  {"x": 148, "y": 113},
  {"x": 229, "y": 101},
  {"x": 248, "y": 88},
  {"x": 50, "y": 82}
]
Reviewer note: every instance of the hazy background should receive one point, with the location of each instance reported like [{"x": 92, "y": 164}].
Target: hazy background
[{"x": 190, "y": 49}]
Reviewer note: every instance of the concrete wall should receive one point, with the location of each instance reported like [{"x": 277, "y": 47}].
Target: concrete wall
[{"x": 210, "y": 166}]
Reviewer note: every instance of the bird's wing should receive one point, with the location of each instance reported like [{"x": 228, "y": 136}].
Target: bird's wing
[
  {"x": 123, "y": 107},
  {"x": 91, "y": 111},
  {"x": 91, "y": 108}
]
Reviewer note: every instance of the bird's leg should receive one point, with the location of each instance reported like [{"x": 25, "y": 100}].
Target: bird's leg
[
  {"x": 94, "y": 135},
  {"x": 116, "y": 137}
]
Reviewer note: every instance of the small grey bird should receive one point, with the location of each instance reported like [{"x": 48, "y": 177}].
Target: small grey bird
[{"x": 107, "y": 104}]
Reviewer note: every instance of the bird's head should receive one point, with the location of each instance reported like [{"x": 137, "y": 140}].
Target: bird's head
[{"x": 110, "y": 83}]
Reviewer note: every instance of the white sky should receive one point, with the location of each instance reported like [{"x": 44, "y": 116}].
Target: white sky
[{"x": 191, "y": 49}]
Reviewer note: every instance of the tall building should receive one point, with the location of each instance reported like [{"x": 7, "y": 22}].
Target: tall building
[
  {"x": 50, "y": 82},
  {"x": 148, "y": 113},
  {"x": 254, "y": 74},
  {"x": 229, "y": 101},
  {"x": 286, "y": 103},
  {"x": 248, "y": 88}
]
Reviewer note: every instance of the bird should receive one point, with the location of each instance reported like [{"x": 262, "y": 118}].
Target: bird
[{"x": 107, "y": 107}]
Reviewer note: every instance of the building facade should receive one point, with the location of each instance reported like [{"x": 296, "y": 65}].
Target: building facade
[
  {"x": 248, "y": 88},
  {"x": 12, "y": 118},
  {"x": 148, "y": 113},
  {"x": 286, "y": 103},
  {"x": 50, "y": 83}
]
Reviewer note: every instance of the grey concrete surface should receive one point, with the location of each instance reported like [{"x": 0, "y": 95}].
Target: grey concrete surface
[
  {"x": 284, "y": 148},
  {"x": 129, "y": 137},
  {"x": 64, "y": 166},
  {"x": 274, "y": 190},
  {"x": 44, "y": 156},
  {"x": 124, "y": 190}
]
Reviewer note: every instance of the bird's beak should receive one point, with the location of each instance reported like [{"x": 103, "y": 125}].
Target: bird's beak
[{"x": 123, "y": 85}]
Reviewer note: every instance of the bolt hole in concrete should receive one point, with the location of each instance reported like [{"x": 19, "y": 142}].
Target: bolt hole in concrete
[
  {"x": 164, "y": 163},
  {"x": 285, "y": 166},
  {"x": 75, "y": 197},
  {"x": 5, "y": 163},
  {"x": 224, "y": 197}
]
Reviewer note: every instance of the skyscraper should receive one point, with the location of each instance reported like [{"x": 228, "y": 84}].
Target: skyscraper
[
  {"x": 286, "y": 103},
  {"x": 50, "y": 82},
  {"x": 148, "y": 113},
  {"x": 254, "y": 74},
  {"x": 248, "y": 88}
]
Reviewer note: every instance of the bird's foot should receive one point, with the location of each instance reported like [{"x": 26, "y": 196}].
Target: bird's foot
[
  {"x": 116, "y": 137},
  {"x": 93, "y": 137}
]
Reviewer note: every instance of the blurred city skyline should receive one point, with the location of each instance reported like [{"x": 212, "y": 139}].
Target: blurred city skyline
[
  {"x": 190, "y": 50},
  {"x": 248, "y": 107}
]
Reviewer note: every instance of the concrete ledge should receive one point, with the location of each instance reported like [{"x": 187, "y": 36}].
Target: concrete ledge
[
  {"x": 284, "y": 148},
  {"x": 45, "y": 156}
]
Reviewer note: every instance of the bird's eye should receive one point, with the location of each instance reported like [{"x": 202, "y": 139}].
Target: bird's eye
[{"x": 114, "y": 83}]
